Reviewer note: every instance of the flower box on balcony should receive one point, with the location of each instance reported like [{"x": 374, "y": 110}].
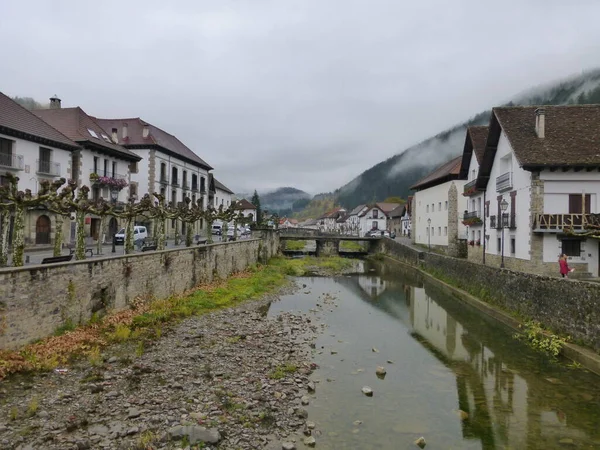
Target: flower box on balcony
[
  {"x": 470, "y": 221},
  {"x": 114, "y": 183}
]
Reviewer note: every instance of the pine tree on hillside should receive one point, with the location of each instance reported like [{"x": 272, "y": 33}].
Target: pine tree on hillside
[{"x": 256, "y": 202}]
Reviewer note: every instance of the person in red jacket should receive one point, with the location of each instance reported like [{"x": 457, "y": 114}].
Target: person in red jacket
[{"x": 564, "y": 266}]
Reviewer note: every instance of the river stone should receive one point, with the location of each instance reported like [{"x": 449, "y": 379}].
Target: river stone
[
  {"x": 305, "y": 400},
  {"x": 380, "y": 371},
  {"x": 133, "y": 413},
  {"x": 420, "y": 442},
  {"x": 310, "y": 425},
  {"x": 195, "y": 434},
  {"x": 302, "y": 413},
  {"x": 367, "y": 391},
  {"x": 310, "y": 441},
  {"x": 288, "y": 446},
  {"x": 311, "y": 386}
]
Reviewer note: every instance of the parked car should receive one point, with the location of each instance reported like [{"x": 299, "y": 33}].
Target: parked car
[
  {"x": 139, "y": 233},
  {"x": 393, "y": 235},
  {"x": 217, "y": 229},
  {"x": 385, "y": 233},
  {"x": 374, "y": 233}
]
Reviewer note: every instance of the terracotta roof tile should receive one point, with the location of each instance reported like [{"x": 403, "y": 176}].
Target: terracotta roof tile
[
  {"x": 446, "y": 172},
  {"x": 14, "y": 118},
  {"x": 156, "y": 136},
  {"x": 244, "y": 204},
  {"x": 81, "y": 128}
]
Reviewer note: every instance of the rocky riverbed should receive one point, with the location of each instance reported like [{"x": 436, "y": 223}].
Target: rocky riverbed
[{"x": 232, "y": 379}]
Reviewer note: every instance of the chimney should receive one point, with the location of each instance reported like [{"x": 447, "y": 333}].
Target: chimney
[
  {"x": 540, "y": 122},
  {"x": 115, "y": 136},
  {"x": 124, "y": 131},
  {"x": 54, "y": 102},
  {"x": 145, "y": 131}
]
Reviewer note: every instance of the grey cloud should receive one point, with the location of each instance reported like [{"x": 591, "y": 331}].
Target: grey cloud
[{"x": 303, "y": 92}]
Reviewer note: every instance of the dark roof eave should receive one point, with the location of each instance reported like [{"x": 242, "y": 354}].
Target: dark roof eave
[
  {"x": 169, "y": 151},
  {"x": 111, "y": 151},
  {"x": 442, "y": 180},
  {"x": 535, "y": 167},
  {"x": 38, "y": 139}
]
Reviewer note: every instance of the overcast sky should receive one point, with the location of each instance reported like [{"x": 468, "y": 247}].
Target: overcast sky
[{"x": 304, "y": 93}]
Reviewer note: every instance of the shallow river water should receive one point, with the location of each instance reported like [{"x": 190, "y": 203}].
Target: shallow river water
[{"x": 453, "y": 376}]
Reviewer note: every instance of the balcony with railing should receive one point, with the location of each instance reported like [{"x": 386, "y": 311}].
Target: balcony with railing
[
  {"x": 11, "y": 161},
  {"x": 470, "y": 188},
  {"x": 49, "y": 168},
  {"x": 504, "y": 182},
  {"x": 472, "y": 218},
  {"x": 108, "y": 179},
  {"x": 508, "y": 221},
  {"x": 554, "y": 223}
]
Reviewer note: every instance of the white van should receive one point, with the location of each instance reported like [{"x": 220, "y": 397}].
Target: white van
[
  {"x": 217, "y": 229},
  {"x": 139, "y": 233}
]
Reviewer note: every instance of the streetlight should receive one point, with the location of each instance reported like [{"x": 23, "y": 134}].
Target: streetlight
[
  {"x": 429, "y": 233},
  {"x": 503, "y": 207}
]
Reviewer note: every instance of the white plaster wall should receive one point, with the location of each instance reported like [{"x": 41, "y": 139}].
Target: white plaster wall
[
  {"x": 170, "y": 162},
  {"x": 438, "y": 197},
  {"x": 366, "y": 221},
  {"x": 142, "y": 176},
  {"x": 222, "y": 197},
  {"x": 473, "y": 168},
  {"x": 558, "y": 186},
  {"x": 521, "y": 184},
  {"x": 589, "y": 252},
  {"x": 28, "y": 177}
]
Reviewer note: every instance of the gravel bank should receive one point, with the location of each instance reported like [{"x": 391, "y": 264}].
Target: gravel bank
[{"x": 233, "y": 379}]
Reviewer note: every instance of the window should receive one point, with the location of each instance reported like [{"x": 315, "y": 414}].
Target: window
[
  {"x": 163, "y": 172},
  {"x": 427, "y": 208},
  {"x": 95, "y": 164},
  {"x": 105, "y": 137},
  {"x": 133, "y": 167},
  {"x": 571, "y": 247},
  {"x": 432, "y": 231},
  {"x": 174, "y": 176},
  {"x": 473, "y": 235},
  {"x": 174, "y": 197},
  {"x": 445, "y": 231},
  {"x": 439, "y": 231},
  {"x": 479, "y": 235},
  {"x": 185, "y": 178},
  {"x": 114, "y": 169},
  {"x": 105, "y": 174},
  {"x": 375, "y": 225},
  {"x": 6, "y": 158},
  {"x": 133, "y": 190},
  {"x": 45, "y": 160},
  {"x": 92, "y": 133},
  {"x": 439, "y": 206},
  {"x": 202, "y": 184},
  {"x": 513, "y": 245},
  {"x": 375, "y": 214},
  {"x": 499, "y": 243},
  {"x": 446, "y": 205},
  {"x": 576, "y": 203}
]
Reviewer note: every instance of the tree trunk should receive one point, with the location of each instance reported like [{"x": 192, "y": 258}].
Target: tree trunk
[
  {"x": 19, "y": 236},
  {"x": 209, "y": 239},
  {"x": 160, "y": 234},
  {"x": 177, "y": 235},
  {"x": 189, "y": 234},
  {"x": 5, "y": 217},
  {"x": 100, "y": 234},
  {"x": 80, "y": 235},
  {"x": 235, "y": 230},
  {"x": 129, "y": 236},
  {"x": 58, "y": 234}
]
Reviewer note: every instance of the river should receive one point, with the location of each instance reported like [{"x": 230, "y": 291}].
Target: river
[{"x": 454, "y": 377}]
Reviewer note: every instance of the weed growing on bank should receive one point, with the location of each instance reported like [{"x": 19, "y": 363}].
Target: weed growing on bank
[
  {"x": 144, "y": 320},
  {"x": 539, "y": 339}
]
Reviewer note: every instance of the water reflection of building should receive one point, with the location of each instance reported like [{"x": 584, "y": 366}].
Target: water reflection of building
[
  {"x": 372, "y": 285},
  {"x": 505, "y": 409}
]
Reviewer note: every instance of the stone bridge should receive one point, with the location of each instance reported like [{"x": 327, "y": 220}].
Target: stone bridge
[{"x": 329, "y": 245}]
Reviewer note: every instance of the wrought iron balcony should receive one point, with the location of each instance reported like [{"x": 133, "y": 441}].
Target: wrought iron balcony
[
  {"x": 504, "y": 182},
  {"x": 471, "y": 215},
  {"x": 508, "y": 221},
  {"x": 470, "y": 189},
  {"x": 50, "y": 168},
  {"x": 472, "y": 218},
  {"x": 553, "y": 223},
  {"x": 11, "y": 161}
]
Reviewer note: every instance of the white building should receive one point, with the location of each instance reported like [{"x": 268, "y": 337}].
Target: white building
[
  {"x": 405, "y": 219},
  {"x": 371, "y": 218},
  {"x": 328, "y": 222},
  {"x": 33, "y": 151},
  {"x": 543, "y": 164},
  {"x": 247, "y": 209},
  {"x": 353, "y": 220},
  {"x": 101, "y": 164},
  {"x": 435, "y": 219},
  {"x": 167, "y": 166},
  {"x": 222, "y": 195},
  {"x": 473, "y": 214}
]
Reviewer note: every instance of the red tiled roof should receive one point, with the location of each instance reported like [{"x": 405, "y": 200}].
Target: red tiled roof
[
  {"x": 76, "y": 125},
  {"x": 243, "y": 204},
  {"x": 156, "y": 136},
  {"x": 387, "y": 207},
  {"x": 446, "y": 172},
  {"x": 15, "y": 119}
]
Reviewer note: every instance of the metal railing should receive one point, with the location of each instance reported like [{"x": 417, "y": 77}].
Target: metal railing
[
  {"x": 11, "y": 161},
  {"x": 108, "y": 174},
  {"x": 469, "y": 188},
  {"x": 507, "y": 221},
  {"x": 559, "y": 222},
  {"x": 48, "y": 167},
  {"x": 504, "y": 182},
  {"x": 472, "y": 215}
]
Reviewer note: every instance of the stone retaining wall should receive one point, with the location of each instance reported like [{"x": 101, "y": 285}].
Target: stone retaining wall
[
  {"x": 567, "y": 307},
  {"x": 35, "y": 300}
]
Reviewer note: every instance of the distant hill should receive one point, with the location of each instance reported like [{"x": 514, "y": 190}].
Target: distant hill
[
  {"x": 320, "y": 204},
  {"x": 283, "y": 201},
  {"x": 395, "y": 175}
]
